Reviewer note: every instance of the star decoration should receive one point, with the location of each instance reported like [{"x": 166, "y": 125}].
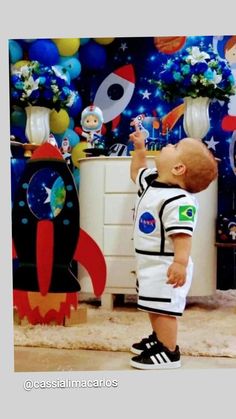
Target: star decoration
[
  {"x": 146, "y": 94},
  {"x": 123, "y": 46},
  {"x": 212, "y": 143}
]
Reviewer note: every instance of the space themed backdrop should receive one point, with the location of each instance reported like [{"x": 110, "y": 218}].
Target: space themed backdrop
[{"x": 119, "y": 76}]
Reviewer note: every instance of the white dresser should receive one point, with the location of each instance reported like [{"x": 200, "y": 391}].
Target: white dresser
[{"x": 107, "y": 197}]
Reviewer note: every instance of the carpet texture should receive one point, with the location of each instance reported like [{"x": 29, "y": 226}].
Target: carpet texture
[{"x": 207, "y": 328}]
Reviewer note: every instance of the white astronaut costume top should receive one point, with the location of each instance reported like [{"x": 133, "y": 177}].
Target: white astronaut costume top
[{"x": 160, "y": 210}]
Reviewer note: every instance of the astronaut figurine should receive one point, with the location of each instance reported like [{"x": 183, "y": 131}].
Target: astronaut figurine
[{"x": 91, "y": 123}]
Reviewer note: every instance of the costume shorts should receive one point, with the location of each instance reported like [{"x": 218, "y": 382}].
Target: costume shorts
[{"x": 154, "y": 294}]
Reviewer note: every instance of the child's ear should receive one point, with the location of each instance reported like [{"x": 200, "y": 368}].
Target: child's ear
[{"x": 179, "y": 169}]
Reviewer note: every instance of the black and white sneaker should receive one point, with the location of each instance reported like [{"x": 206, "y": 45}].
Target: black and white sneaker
[
  {"x": 145, "y": 343},
  {"x": 157, "y": 357}
]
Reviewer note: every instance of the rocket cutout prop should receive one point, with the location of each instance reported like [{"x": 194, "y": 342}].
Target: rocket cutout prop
[{"x": 47, "y": 238}]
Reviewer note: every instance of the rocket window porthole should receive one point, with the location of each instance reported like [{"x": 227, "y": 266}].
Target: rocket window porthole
[
  {"x": 46, "y": 194},
  {"x": 115, "y": 91}
]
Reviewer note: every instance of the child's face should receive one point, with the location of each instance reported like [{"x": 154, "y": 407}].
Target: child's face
[
  {"x": 91, "y": 121},
  {"x": 168, "y": 157},
  {"x": 173, "y": 154}
]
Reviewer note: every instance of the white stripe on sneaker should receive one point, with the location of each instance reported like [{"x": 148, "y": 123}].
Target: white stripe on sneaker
[
  {"x": 160, "y": 358},
  {"x": 165, "y": 357}
]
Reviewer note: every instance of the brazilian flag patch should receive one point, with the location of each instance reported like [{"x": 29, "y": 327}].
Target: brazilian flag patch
[{"x": 187, "y": 213}]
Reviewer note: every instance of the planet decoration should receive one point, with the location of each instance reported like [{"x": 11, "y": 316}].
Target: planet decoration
[
  {"x": 169, "y": 44},
  {"x": 59, "y": 121},
  {"x": 67, "y": 46},
  {"x": 58, "y": 196}
]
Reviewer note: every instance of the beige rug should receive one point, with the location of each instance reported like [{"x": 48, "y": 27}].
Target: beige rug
[{"x": 207, "y": 328}]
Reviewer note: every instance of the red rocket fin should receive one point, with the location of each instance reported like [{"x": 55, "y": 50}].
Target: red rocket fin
[
  {"x": 44, "y": 254},
  {"x": 115, "y": 122},
  {"x": 14, "y": 254},
  {"x": 90, "y": 256}
]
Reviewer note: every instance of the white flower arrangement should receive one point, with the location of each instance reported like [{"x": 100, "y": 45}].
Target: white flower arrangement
[
  {"x": 195, "y": 73},
  {"x": 37, "y": 84}
]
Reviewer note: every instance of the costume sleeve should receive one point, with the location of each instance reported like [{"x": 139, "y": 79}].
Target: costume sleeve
[
  {"x": 180, "y": 215},
  {"x": 144, "y": 177}
]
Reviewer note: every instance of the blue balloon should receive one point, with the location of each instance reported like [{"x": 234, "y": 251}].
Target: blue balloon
[
  {"x": 18, "y": 118},
  {"x": 15, "y": 51},
  {"x": 75, "y": 109},
  {"x": 72, "y": 123},
  {"x": 72, "y": 65},
  {"x": 59, "y": 138},
  {"x": 71, "y": 135},
  {"x": 76, "y": 175},
  {"x": 93, "y": 56},
  {"x": 45, "y": 51},
  {"x": 84, "y": 41}
]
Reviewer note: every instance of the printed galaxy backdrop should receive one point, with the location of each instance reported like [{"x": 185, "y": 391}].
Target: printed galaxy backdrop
[{"x": 115, "y": 74}]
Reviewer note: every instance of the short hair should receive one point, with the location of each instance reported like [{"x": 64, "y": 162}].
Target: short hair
[
  {"x": 201, "y": 166},
  {"x": 230, "y": 43}
]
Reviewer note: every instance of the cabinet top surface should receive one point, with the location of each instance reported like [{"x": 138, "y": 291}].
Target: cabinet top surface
[{"x": 109, "y": 158}]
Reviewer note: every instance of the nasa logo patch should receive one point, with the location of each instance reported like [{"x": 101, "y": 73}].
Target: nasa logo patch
[{"x": 147, "y": 223}]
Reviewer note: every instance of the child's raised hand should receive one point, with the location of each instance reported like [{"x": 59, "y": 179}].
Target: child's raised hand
[{"x": 138, "y": 138}]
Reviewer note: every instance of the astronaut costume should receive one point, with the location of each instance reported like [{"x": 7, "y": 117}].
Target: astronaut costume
[{"x": 160, "y": 210}]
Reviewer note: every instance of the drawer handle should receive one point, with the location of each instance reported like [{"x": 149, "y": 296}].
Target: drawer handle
[{"x": 133, "y": 272}]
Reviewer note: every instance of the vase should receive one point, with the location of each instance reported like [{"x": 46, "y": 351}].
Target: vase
[
  {"x": 37, "y": 128},
  {"x": 196, "y": 116}
]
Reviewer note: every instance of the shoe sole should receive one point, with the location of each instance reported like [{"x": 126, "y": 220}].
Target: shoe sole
[
  {"x": 136, "y": 351},
  {"x": 172, "y": 365}
]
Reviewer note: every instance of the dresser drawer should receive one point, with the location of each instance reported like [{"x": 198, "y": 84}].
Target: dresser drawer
[
  {"x": 118, "y": 241},
  {"x": 119, "y": 208},
  {"x": 121, "y": 272},
  {"x": 117, "y": 177}
]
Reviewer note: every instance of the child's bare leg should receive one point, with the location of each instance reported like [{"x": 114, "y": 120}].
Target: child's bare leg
[{"x": 165, "y": 328}]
